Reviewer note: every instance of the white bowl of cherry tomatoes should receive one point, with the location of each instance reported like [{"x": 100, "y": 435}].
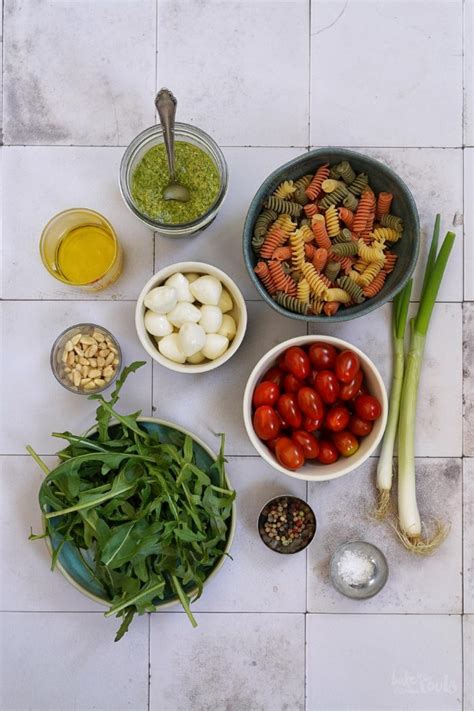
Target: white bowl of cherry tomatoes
[{"x": 315, "y": 407}]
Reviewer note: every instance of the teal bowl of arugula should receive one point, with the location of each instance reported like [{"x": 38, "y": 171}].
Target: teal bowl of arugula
[{"x": 139, "y": 513}]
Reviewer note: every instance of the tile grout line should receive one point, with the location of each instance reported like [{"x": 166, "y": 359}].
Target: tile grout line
[{"x": 304, "y": 147}]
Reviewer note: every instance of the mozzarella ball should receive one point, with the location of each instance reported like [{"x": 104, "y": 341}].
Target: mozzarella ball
[
  {"x": 191, "y": 338},
  {"x": 228, "y": 327},
  {"x": 215, "y": 346},
  {"x": 207, "y": 289},
  {"x": 211, "y": 318},
  {"x": 161, "y": 299},
  {"x": 181, "y": 285},
  {"x": 196, "y": 358},
  {"x": 157, "y": 324},
  {"x": 169, "y": 348},
  {"x": 182, "y": 313},
  {"x": 192, "y": 276},
  {"x": 225, "y": 302}
]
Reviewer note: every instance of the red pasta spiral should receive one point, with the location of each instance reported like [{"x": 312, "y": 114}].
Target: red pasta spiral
[
  {"x": 311, "y": 209},
  {"x": 282, "y": 253},
  {"x": 314, "y": 188},
  {"x": 275, "y": 238},
  {"x": 363, "y": 211},
  {"x": 327, "y": 282},
  {"x": 330, "y": 307},
  {"x": 320, "y": 257},
  {"x": 320, "y": 234},
  {"x": 390, "y": 261},
  {"x": 346, "y": 262},
  {"x": 384, "y": 202},
  {"x": 263, "y": 273},
  {"x": 374, "y": 287},
  {"x": 367, "y": 237},
  {"x": 346, "y": 216},
  {"x": 282, "y": 281}
]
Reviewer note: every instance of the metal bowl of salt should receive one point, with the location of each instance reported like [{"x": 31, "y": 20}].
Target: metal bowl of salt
[{"x": 358, "y": 570}]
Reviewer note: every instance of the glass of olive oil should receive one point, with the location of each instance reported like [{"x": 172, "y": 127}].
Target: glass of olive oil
[{"x": 79, "y": 247}]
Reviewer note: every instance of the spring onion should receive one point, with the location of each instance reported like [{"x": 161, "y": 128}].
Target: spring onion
[
  {"x": 409, "y": 518},
  {"x": 385, "y": 463}
]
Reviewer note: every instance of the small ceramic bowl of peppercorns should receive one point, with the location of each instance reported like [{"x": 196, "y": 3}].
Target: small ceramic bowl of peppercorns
[{"x": 286, "y": 524}]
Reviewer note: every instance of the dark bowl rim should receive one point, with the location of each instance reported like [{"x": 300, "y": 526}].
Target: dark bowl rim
[{"x": 346, "y": 314}]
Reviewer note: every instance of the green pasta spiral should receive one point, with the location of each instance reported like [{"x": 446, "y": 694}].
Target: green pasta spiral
[
  {"x": 303, "y": 182},
  {"x": 332, "y": 270},
  {"x": 351, "y": 202},
  {"x": 345, "y": 249},
  {"x": 291, "y": 303},
  {"x": 352, "y": 288},
  {"x": 334, "y": 173},
  {"x": 345, "y": 235},
  {"x": 358, "y": 186},
  {"x": 392, "y": 221},
  {"x": 283, "y": 206},
  {"x": 346, "y": 172},
  {"x": 300, "y": 196},
  {"x": 334, "y": 198}
]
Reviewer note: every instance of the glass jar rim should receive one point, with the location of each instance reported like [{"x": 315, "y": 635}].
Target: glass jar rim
[{"x": 182, "y": 130}]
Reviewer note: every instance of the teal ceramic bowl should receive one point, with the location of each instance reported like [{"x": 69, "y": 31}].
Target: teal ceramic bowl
[
  {"x": 381, "y": 178},
  {"x": 70, "y": 561}
]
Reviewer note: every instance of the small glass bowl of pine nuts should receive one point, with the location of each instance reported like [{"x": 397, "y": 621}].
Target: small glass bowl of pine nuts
[{"x": 86, "y": 358}]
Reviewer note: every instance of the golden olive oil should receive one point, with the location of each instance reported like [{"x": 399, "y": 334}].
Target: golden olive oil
[{"x": 85, "y": 254}]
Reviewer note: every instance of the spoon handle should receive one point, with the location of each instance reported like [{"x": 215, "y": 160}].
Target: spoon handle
[{"x": 165, "y": 103}]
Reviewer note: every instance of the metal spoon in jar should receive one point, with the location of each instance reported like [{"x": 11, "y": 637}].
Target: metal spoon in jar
[{"x": 165, "y": 103}]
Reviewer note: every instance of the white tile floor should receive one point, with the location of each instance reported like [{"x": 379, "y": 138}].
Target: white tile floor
[{"x": 267, "y": 78}]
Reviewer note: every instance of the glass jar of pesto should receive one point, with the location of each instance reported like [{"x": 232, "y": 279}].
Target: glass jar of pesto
[{"x": 200, "y": 165}]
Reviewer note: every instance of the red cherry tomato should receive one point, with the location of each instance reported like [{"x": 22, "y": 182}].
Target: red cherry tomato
[
  {"x": 307, "y": 442},
  {"x": 289, "y": 411},
  {"x": 271, "y": 443},
  {"x": 266, "y": 393},
  {"x": 337, "y": 418},
  {"x": 322, "y": 355},
  {"x": 291, "y": 384},
  {"x": 360, "y": 427},
  {"x": 328, "y": 453},
  {"x": 347, "y": 365},
  {"x": 349, "y": 391},
  {"x": 328, "y": 386},
  {"x": 310, "y": 403},
  {"x": 274, "y": 375},
  {"x": 310, "y": 425},
  {"x": 289, "y": 453},
  {"x": 346, "y": 443},
  {"x": 281, "y": 363},
  {"x": 311, "y": 379},
  {"x": 297, "y": 362},
  {"x": 266, "y": 422},
  {"x": 368, "y": 407}
]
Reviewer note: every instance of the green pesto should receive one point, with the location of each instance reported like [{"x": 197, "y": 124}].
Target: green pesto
[{"x": 194, "y": 168}]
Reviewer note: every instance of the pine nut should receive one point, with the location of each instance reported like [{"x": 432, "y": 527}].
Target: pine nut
[
  {"x": 83, "y": 361},
  {"x": 91, "y": 351},
  {"x": 75, "y": 339},
  {"x": 68, "y": 347},
  {"x": 77, "y": 378},
  {"x": 94, "y": 373},
  {"x": 100, "y": 362},
  {"x": 99, "y": 382},
  {"x": 79, "y": 351},
  {"x": 104, "y": 353},
  {"x": 108, "y": 371},
  {"x": 90, "y": 385},
  {"x": 93, "y": 362},
  {"x": 88, "y": 341},
  {"x": 70, "y": 359},
  {"x": 99, "y": 337},
  {"x": 116, "y": 361},
  {"x": 64, "y": 356},
  {"x": 84, "y": 381},
  {"x": 109, "y": 359}
]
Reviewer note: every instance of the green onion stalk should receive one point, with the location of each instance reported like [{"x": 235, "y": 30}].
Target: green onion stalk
[
  {"x": 385, "y": 463},
  {"x": 410, "y": 531}
]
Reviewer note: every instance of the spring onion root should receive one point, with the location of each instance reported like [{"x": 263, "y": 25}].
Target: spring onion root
[
  {"x": 385, "y": 464},
  {"x": 410, "y": 530}
]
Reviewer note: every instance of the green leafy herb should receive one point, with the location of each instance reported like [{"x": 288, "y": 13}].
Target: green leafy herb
[{"x": 147, "y": 518}]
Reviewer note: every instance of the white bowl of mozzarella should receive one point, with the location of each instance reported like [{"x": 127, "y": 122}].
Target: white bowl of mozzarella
[{"x": 191, "y": 317}]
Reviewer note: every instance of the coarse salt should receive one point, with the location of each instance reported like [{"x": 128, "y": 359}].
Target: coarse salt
[{"x": 354, "y": 568}]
